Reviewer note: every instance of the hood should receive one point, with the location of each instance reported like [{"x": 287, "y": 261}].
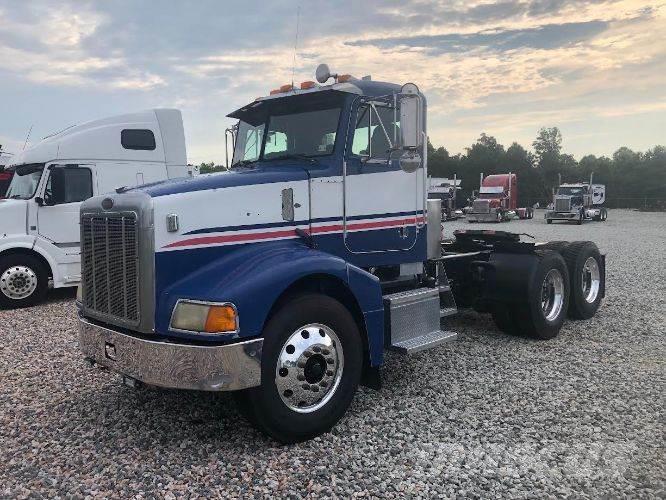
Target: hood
[
  {"x": 13, "y": 215},
  {"x": 247, "y": 176}
]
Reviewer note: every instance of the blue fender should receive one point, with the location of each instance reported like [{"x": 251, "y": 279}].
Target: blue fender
[{"x": 253, "y": 277}]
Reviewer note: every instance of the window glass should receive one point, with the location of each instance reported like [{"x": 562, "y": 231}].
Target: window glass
[
  {"x": 248, "y": 142},
  {"x": 369, "y": 131},
  {"x": 25, "y": 182},
  {"x": 310, "y": 133},
  {"x": 138, "y": 139},
  {"x": 77, "y": 186}
]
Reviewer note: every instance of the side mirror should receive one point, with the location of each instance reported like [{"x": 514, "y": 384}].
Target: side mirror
[{"x": 411, "y": 117}]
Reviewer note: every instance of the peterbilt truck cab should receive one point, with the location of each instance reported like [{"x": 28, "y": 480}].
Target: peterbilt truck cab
[
  {"x": 578, "y": 202},
  {"x": 497, "y": 200},
  {"x": 287, "y": 278},
  {"x": 39, "y": 217}
]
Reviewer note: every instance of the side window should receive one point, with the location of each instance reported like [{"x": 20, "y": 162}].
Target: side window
[
  {"x": 68, "y": 185},
  {"x": 253, "y": 143},
  {"x": 138, "y": 139},
  {"x": 376, "y": 128}
]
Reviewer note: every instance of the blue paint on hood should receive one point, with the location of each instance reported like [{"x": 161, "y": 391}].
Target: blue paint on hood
[{"x": 245, "y": 176}]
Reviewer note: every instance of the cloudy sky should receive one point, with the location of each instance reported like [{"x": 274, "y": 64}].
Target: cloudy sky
[{"x": 596, "y": 69}]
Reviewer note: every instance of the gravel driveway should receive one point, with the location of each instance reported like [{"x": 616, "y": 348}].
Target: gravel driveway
[{"x": 488, "y": 415}]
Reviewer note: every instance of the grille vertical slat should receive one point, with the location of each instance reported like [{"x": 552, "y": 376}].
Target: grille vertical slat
[
  {"x": 562, "y": 204},
  {"x": 110, "y": 271},
  {"x": 481, "y": 206}
]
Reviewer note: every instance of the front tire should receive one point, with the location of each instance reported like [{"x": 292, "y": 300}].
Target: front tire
[
  {"x": 23, "y": 281},
  {"x": 311, "y": 367}
]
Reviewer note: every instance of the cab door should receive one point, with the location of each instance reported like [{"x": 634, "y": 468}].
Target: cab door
[
  {"x": 58, "y": 214},
  {"x": 382, "y": 203}
]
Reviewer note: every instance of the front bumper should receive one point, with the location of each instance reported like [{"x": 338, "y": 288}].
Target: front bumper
[
  {"x": 562, "y": 215},
  {"x": 482, "y": 217},
  {"x": 178, "y": 366}
]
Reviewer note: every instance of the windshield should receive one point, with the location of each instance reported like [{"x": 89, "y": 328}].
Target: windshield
[
  {"x": 280, "y": 131},
  {"x": 571, "y": 191},
  {"x": 25, "y": 182}
]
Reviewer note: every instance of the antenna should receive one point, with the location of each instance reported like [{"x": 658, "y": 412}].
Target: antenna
[
  {"x": 27, "y": 137},
  {"x": 298, "y": 22}
]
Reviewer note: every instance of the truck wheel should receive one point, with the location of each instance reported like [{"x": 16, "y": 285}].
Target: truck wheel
[
  {"x": 547, "y": 298},
  {"x": 587, "y": 278},
  {"x": 579, "y": 221},
  {"x": 604, "y": 215},
  {"x": 310, "y": 369},
  {"x": 23, "y": 281}
]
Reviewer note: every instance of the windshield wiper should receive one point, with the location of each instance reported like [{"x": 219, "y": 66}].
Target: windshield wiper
[
  {"x": 242, "y": 163},
  {"x": 293, "y": 156}
]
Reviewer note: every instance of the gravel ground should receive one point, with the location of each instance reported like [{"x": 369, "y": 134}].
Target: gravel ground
[{"x": 489, "y": 415}]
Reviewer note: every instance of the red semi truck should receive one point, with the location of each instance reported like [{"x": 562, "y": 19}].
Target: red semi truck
[{"x": 497, "y": 199}]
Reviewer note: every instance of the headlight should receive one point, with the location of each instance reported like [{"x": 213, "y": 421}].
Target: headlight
[{"x": 204, "y": 317}]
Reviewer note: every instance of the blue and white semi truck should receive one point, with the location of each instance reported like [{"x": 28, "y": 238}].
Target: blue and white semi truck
[{"x": 286, "y": 278}]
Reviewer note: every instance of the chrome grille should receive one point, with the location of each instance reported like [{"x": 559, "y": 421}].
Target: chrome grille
[
  {"x": 110, "y": 265},
  {"x": 562, "y": 204},
  {"x": 481, "y": 207}
]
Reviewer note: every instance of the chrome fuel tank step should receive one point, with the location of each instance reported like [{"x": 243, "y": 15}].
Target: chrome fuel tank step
[{"x": 412, "y": 320}]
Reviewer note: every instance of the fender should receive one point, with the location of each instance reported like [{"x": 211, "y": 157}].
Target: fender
[
  {"x": 253, "y": 277},
  {"x": 29, "y": 243}
]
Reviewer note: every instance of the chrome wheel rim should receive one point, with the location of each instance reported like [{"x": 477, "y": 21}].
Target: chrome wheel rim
[
  {"x": 18, "y": 282},
  {"x": 591, "y": 280},
  {"x": 552, "y": 294},
  {"x": 309, "y": 368}
]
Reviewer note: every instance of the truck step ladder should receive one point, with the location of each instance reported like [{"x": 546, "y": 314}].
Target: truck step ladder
[
  {"x": 413, "y": 320},
  {"x": 447, "y": 302}
]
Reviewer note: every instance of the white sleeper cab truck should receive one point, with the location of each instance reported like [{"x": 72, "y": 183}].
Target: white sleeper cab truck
[
  {"x": 578, "y": 203},
  {"x": 39, "y": 219},
  {"x": 287, "y": 278}
]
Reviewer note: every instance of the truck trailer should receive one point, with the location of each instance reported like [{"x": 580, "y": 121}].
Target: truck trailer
[
  {"x": 39, "y": 219},
  {"x": 287, "y": 278},
  {"x": 578, "y": 202},
  {"x": 497, "y": 200}
]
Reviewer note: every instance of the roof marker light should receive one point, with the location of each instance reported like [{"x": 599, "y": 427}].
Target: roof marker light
[
  {"x": 307, "y": 85},
  {"x": 287, "y": 87},
  {"x": 275, "y": 91},
  {"x": 344, "y": 78}
]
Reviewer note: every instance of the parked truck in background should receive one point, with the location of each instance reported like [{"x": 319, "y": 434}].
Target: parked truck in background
[
  {"x": 578, "y": 202},
  {"x": 497, "y": 200},
  {"x": 39, "y": 219},
  {"x": 286, "y": 278},
  {"x": 5, "y": 176},
  {"x": 446, "y": 190}
]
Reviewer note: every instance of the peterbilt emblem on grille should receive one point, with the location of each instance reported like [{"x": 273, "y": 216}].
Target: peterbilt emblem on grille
[{"x": 107, "y": 203}]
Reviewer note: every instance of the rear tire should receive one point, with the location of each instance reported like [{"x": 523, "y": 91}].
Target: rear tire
[
  {"x": 549, "y": 221},
  {"x": 544, "y": 313},
  {"x": 294, "y": 356},
  {"x": 588, "y": 281},
  {"x": 23, "y": 281},
  {"x": 556, "y": 246},
  {"x": 604, "y": 215}
]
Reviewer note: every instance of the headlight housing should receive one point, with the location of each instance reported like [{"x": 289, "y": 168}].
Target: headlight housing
[{"x": 194, "y": 316}]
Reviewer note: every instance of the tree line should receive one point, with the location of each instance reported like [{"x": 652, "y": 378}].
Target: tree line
[{"x": 633, "y": 179}]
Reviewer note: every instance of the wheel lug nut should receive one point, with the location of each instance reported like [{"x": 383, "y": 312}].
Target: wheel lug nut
[
  {"x": 329, "y": 373},
  {"x": 301, "y": 364},
  {"x": 315, "y": 388},
  {"x": 300, "y": 378},
  {"x": 323, "y": 383},
  {"x": 306, "y": 387},
  {"x": 329, "y": 361},
  {"x": 326, "y": 352},
  {"x": 316, "y": 348}
]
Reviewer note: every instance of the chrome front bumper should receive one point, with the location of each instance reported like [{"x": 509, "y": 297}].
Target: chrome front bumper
[
  {"x": 482, "y": 217},
  {"x": 561, "y": 215},
  {"x": 178, "y": 366}
]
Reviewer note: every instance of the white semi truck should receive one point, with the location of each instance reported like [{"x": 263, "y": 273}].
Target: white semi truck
[
  {"x": 578, "y": 202},
  {"x": 39, "y": 217}
]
